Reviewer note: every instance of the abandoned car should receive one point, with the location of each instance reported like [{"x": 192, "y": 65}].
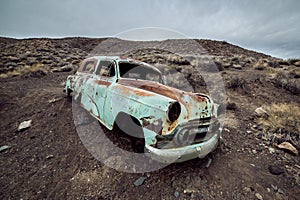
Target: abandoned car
[{"x": 168, "y": 124}]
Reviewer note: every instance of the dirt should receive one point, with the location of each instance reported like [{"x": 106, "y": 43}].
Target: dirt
[{"x": 48, "y": 160}]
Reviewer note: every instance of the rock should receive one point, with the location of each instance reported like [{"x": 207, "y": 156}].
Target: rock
[
  {"x": 176, "y": 194},
  {"x": 271, "y": 150},
  {"x": 258, "y": 196},
  {"x": 208, "y": 162},
  {"x": 288, "y": 147},
  {"x": 226, "y": 65},
  {"x": 297, "y": 63},
  {"x": 4, "y": 147},
  {"x": 280, "y": 191},
  {"x": 260, "y": 112},
  {"x": 275, "y": 170},
  {"x": 188, "y": 191},
  {"x": 140, "y": 181},
  {"x": 247, "y": 189},
  {"x": 24, "y": 125},
  {"x": 50, "y": 156},
  {"x": 275, "y": 188},
  {"x": 237, "y": 66}
]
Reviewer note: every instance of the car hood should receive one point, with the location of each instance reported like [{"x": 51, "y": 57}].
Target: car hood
[{"x": 197, "y": 105}]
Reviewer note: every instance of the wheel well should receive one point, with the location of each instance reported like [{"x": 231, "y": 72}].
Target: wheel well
[
  {"x": 131, "y": 127},
  {"x": 122, "y": 116}
]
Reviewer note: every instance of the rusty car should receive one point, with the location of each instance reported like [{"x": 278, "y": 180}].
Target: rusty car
[{"x": 163, "y": 122}]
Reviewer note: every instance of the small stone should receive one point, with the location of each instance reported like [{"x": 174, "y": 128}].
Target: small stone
[
  {"x": 4, "y": 147},
  {"x": 140, "y": 181},
  {"x": 188, "y": 191},
  {"x": 271, "y": 150},
  {"x": 280, "y": 191},
  {"x": 288, "y": 147},
  {"x": 247, "y": 189},
  {"x": 275, "y": 188},
  {"x": 49, "y": 156},
  {"x": 260, "y": 112},
  {"x": 236, "y": 66},
  {"x": 226, "y": 129},
  {"x": 273, "y": 169},
  {"x": 254, "y": 151},
  {"x": 24, "y": 125},
  {"x": 176, "y": 194},
  {"x": 208, "y": 162},
  {"x": 258, "y": 196}
]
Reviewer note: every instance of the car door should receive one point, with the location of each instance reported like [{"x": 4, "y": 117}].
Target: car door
[
  {"x": 104, "y": 77},
  {"x": 84, "y": 86}
]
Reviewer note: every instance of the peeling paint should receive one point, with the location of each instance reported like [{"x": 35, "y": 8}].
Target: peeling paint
[{"x": 100, "y": 82}]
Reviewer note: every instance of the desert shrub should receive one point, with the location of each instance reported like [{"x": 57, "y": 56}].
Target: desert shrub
[
  {"x": 292, "y": 61},
  {"x": 284, "y": 81},
  {"x": 283, "y": 62},
  {"x": 237, "y": 83}
]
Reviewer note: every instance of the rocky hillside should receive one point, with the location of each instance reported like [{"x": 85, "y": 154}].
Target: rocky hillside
[{"x": 259, "y": 160}]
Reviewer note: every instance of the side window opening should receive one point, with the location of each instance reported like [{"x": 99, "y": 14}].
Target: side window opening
[
  {"x": 106, "y": 68},
  {"x": 89, "y": 67}
]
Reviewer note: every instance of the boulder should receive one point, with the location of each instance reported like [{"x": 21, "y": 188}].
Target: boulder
[{"x": 288, "y": 147}]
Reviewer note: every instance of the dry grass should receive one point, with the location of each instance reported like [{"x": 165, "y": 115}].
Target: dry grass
[
  {"x": 282, "y": 116},
  {"x": 36, "y": 70}
]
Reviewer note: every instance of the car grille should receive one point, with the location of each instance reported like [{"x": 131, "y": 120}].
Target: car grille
[{"x": 192, "y": 132}]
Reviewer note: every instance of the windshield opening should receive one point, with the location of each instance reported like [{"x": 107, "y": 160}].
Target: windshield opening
[{"x": 136, "y": 71}]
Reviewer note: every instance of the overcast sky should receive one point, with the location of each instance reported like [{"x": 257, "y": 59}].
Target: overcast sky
[{"x": 269, "y": 26}]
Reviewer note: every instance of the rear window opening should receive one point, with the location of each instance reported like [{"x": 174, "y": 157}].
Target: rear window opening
[{"x": 136, "y": 71}]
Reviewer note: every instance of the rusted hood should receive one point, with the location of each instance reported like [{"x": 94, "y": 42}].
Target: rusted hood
[{"x": 188, "y": 99}]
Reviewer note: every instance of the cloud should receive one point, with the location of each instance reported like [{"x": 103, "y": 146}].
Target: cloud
[{"x": 271, "y": 26}]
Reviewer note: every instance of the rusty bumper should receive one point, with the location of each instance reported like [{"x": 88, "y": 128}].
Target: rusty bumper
[{"x": 182, "y": 154}]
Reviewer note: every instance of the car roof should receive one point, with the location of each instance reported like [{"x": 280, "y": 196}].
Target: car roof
[{"x": 124, "y": 59}]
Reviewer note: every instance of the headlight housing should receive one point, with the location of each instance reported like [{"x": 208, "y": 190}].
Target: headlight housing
[{"x": 174, "y": 111}]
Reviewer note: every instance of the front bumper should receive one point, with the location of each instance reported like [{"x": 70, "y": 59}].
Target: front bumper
[{"x": 185, "y": 153}]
